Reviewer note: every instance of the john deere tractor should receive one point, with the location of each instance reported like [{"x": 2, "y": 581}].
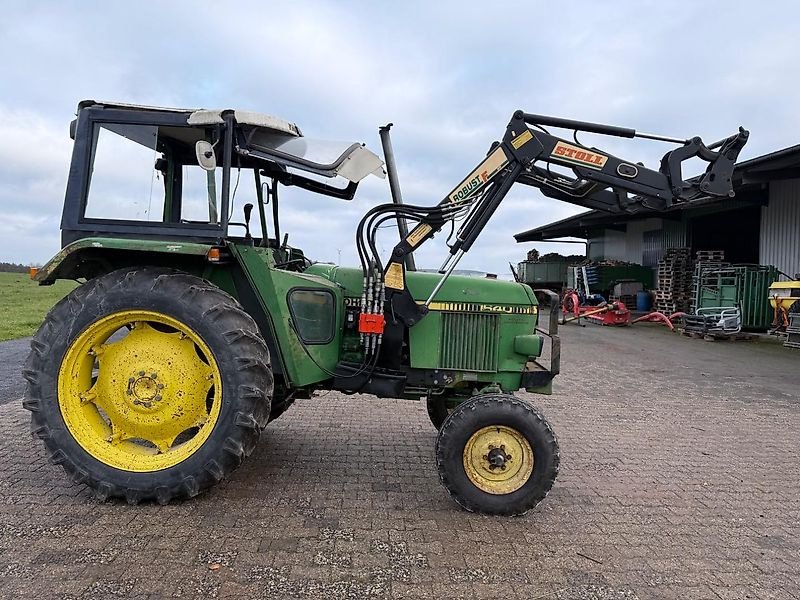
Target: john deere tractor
[{"x": 155, "y": 378}]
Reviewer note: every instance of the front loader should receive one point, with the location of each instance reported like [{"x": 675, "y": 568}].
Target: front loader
[{"x": 192, "y": 329}]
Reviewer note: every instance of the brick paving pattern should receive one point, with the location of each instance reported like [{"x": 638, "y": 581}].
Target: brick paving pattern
[{"x": 680, "y": 479}]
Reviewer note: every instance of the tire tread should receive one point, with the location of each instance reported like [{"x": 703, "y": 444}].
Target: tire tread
[
  {"x": 244, "y": 342},
  {"x": 457, "y": 420}
]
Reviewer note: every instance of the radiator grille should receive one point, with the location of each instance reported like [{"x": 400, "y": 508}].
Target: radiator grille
[{"x": 469, "y": 342}]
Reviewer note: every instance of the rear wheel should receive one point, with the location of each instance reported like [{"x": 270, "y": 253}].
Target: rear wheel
[
  {"x": 496, "y": 454},
  {"x": 148, "y": 384}
]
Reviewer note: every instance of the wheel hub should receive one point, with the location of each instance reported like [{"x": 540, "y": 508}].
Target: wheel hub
[
  {"x": 139, "y": 390},
  {"x": 144, "y": 389},
  {"x": 498, "y": 459}
]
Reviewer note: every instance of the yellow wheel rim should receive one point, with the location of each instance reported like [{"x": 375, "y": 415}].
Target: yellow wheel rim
[
  {"x": 498, "y": 459},
  {"x": 139, "y": 390}
]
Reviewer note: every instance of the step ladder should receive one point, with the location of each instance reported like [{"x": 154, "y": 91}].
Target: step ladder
[{"x": 793, "y": 331}]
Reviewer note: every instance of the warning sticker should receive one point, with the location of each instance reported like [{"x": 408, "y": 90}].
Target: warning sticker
[
  {"x": 420, "y": 231},
  {"x": 522, "y": 139},
  {"x": 393, "y": 278}
]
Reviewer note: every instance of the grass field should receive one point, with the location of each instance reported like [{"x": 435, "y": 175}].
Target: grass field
[{"x": 24, "y": 303}]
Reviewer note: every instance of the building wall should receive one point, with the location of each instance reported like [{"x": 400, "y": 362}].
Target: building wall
[
  {"x": 779, "y": 243},
  {"x": 615, "y": 244},
  {"x": 778, "y": 233},
  {"x": 675, "y": 234},
  {"x": 597, "y": 247},
  {"x": 634, "y": 238},
  {"x": 623, "y": 245}
]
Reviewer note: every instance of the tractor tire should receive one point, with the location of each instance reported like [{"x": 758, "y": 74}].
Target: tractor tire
[
  {"x": 497, "y": 455},
  {"x": 148, "y": 384}
]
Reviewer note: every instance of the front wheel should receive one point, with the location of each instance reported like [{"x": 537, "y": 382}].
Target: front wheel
[
  {"x": 148, "y": 384},
  {"x": 497, "y": 455}
]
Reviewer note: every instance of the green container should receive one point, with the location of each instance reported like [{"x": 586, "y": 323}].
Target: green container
[
  {"x": 753, "y": 292},
  {"x": 540, "y": 274},
  {"x": 610, "y": 275},
  {"x": 605, "y": 277},
  {"x": 719, "y": 287},
  {"x": 746, "y": 286}
]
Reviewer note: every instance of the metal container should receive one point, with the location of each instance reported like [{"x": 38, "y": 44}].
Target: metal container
[
  {"x": 753, "y": 291},
  {"x": 543, "y": 274},
  {"x": 718, "y": 287},
  {"x": 609, "y": 275},
  {"x": 746, "y": 286}
]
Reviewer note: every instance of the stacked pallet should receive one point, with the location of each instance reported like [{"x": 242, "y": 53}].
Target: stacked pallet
[
  {"x": 707, "y": 260},
  {"x": 674, "y": 291},
  {"x": 710, "y": 255}
]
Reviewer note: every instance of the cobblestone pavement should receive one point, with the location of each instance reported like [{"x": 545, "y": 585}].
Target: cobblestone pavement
[
  {"x": 680, "y": 479},
  {"x": 12, "y": 355}
]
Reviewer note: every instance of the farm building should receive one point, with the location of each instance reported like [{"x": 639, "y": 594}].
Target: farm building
[{"x": 761, "y": 225}]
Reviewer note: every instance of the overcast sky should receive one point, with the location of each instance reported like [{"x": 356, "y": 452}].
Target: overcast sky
[{"x": 447, "y": 74}]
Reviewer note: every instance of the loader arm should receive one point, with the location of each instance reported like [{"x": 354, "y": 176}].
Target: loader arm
[{"x": 525, "y": 155}]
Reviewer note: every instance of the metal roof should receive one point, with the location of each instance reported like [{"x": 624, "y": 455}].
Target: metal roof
[{"x": 202, "y": 116}]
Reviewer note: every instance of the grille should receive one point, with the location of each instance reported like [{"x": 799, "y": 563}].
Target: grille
[{"x": 469, "y": 342}]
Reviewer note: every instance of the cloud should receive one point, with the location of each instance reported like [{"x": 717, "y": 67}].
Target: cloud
[{"x": 448, "y": 74}]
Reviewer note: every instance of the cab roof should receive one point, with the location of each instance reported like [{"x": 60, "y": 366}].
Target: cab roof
[{"x": 202, "y": 116}]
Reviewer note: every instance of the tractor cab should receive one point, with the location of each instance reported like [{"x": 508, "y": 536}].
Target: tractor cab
[{"x": 157, "y": 173}]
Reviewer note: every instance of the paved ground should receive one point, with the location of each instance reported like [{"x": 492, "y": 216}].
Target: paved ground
[
  {"x": 680, "y": 479},
  {"x": 12, "y": 355}
]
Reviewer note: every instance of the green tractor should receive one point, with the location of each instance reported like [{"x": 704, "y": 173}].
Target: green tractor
[{"x": 155, "y": 378}]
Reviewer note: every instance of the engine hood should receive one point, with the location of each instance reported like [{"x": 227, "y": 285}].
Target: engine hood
[{"x": 458, "y": 289}]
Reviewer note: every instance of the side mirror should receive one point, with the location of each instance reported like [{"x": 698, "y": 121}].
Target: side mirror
[{"x": 205, "y": 155}]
